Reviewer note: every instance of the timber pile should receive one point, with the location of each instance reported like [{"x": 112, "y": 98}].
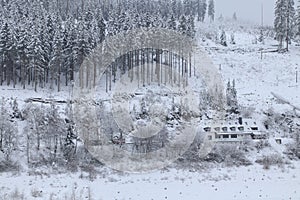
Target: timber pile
[{"x": 46, "y": 101}]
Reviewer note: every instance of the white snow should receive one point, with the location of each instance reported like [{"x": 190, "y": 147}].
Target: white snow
[{"x": 256, "y": 79}]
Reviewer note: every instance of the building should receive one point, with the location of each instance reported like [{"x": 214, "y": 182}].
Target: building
[{"x": 233, "y": 131}]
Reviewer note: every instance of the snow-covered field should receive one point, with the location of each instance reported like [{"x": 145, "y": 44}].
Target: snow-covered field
[
  {"x": 259, "y": 83},
  {"x": 250, "y": 183}
]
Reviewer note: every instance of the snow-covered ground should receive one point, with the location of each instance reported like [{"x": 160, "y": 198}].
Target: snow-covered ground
[
  {"x": 256, "y": 78},
  {"x": 259, "y": 83},
  {"x": 249, "y": 183}
]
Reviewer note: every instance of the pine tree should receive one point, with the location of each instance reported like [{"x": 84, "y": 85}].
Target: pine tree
[
  {"x": 182, "y": 25},
  {"x": 234, "y": 17},
  {"x": 211, "y": 10},
  {"x": 174, "y": 8},
  {"x": 261, "y": 36},
  {"x": 280, "y": 21},
  {"x": 101, "y": 29},
  {"x": 54, "y": 132},
  {"x": 5, "y": 47},
  {"x": 201, "y": 11},
  {"x": 232, "y": 39},
  {"x": 298, "y": 19},
  {"x": 35, "y": 53},
  {"x": 22, "y": 53},
  {"x": 221, "y": 18},
  {"x": 231, "y": 96},
  {"x": 188, "y": 8},
  {"x": 283, "y": 23},
  {"x": 8, "y": 132},
  {"x": 191, "y": 27},
  {"x": 290, "y": 15},
  {"x": 172, "y": 23},
  {"x": 223, "y": 39}
]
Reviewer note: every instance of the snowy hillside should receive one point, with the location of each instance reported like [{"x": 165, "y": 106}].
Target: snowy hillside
[
  {"x": 148, "y": 99},
  {"x": 266, "y": 91}
]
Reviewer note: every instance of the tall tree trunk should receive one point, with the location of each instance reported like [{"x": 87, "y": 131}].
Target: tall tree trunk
[
  {"x": 27, "y": 148},
  {"x": 157, "y": 70},
  {"x": 35, "y": 77},
  {"x": 95, "y": 72},
  {"x": 58, "y": 76},
  {"x": 287, "y": 30},
  {"x": 1, "y": 72},
  {"x": 14, "y": 75},
  {"x": 171, "y": 65}
]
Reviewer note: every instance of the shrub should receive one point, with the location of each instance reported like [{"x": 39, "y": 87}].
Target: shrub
[
  {"x": 270, "y": 160},
  {"x": 230, "y": 154}
]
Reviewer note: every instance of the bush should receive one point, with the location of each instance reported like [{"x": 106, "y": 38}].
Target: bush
[
  {"x": 8, "y": 166},
  {"x": 293, "y": 150},
  {"x": 16, "y": 195},
  {"x": 270, "y": 160},
  {"x": 36, "y": 193},
  {"x": 262, "y": 144},
  {"x": 230, "y": 154}
]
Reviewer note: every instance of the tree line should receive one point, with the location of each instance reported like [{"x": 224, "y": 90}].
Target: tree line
[
  {"x": 43, "y": 43},
  {"x": 286, "y": 23}
]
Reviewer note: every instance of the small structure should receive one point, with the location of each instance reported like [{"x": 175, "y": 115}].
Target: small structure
[
  {"x": 278, "y": 140},
  {"x": 234, "y": 131}
]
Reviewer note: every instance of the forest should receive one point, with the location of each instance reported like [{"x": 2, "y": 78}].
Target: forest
[{"x": 43, "y": 43}]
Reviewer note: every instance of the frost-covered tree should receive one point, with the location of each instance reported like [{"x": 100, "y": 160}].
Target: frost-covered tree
[
  {"x": 290, "y": 17},
  {"x": 298, "y": 19},
  {"x": 283, "y": 23},
  {"x": 172, "y": 23},
  {"x": 201, "y": 9},
  {"x": 8, "y": 131},
  {"x": 6, "y": 45},
  {"x": 188, "y": 7},
  {"x": 182, "y": 27},
  {"x": 191, "y": 27},
  {"x": 22, "y": 43},
  {"x": 223, "y": 40},
  {"x": 35, "y": 128},
  {"x": 234, "y": 17},
  {"x": 221, "y": 18},
  {"x": 70, "y": 142},
  {"x": 211, "y": 10},
  {"x": 16, "y": 113},
  {"x": 55, "y": 133},
  {"x": 261, "y": 36},
  {"x": 231, "y": 96},
  {"x": 46, "y": 133},
  {"x": 280, "y": 21},
  {"x": 232, "y": 38}
]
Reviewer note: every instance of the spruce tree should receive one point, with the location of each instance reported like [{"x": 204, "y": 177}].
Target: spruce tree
[
  {"x": 283, "y": 23},
  {"x": 211, "y": 10},
  {"x": 187, "y": 7},
  {"x": 172, "y": 23},
  {"x": 290, "y": 15},
  {"x": 298, "y": 19},
  {"x": 22, "y": 38},
  {"x": 5, "y": 47},
  {"x": 232, "y": 38},
  {"x": 35, "y": 53},
  {"x": 280, "y": 21},
  {"x": 191, "y": 27},
  {"x": 261, "y": 36},
  {"x": 182, "y": 25},
  {"x": 202, "y": 10},
  {"x": 223, "y": 40},
  {"x": 234, "y": 17}
]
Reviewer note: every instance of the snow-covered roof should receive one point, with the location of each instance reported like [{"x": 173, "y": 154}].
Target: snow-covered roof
[{"x": 246, "y": 125}]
